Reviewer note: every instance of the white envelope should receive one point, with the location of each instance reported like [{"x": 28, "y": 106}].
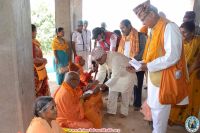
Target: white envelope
[
  {"x": 88, "y": 92},
  {"x": 136, "y": 64}
]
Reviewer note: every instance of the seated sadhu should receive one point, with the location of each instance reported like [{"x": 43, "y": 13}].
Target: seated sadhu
[
  {"x": 45, "y": 114},
  {"x": 69, "y": 106},
  {"x": 93, "y": 104},
  {"x": 84, "y": 81},
  {"x": 85, "y": 77}
]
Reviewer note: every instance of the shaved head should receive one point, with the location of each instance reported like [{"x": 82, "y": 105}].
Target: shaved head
[{"x": 72, "y": 78}]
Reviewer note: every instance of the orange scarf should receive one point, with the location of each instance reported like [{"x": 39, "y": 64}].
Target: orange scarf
[
  {"x": 81, "y": 71},
  {"x": 84, "y": 76},
  {"x": 69, "y": 89},
  {"x": 36, "y": 42},
  {"x": 37, "y": 51},
  {"x": 75, "y": 92},
  {"x": 144, "y": 30},
  {"x": 56, "y": 45},
  {"x": 155, "y": 42},
  {"x": 134, "y": 43}
]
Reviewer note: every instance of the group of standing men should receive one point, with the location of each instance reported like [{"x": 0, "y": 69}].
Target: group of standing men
[
  {"x": 158, "y": 51},
  {"x": 162, "y": 52}
]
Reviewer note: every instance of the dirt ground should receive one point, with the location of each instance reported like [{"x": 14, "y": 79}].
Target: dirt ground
[{"x": 134, "y": 123}]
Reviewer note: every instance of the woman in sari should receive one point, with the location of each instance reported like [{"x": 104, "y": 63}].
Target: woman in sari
[
  {"x": 40, "y": 74},
  {"x": 45, "y": 114},
  {"x": 179, "y": 114},
  {"x": 61, "y": 58}
]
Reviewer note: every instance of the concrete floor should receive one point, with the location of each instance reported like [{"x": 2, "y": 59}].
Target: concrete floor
[{"x": 134, "y": 123}]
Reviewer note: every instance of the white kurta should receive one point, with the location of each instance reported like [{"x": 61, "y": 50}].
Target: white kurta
[
  {"x": 173, "y": 48},
  {"x": 77, "y": 37},
  {"x": 120, "y": 79},
  {"x": 87, "y": 38},
  {"x": 127, "y": 49},
  {"x": 82, "y": 50},
  {"x": 113, "y": 41}
]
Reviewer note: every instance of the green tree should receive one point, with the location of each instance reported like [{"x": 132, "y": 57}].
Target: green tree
[{"x": 44, "y": 20}]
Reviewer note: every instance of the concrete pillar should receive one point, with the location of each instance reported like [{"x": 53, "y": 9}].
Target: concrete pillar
[
  {"x": 63, "y": 19},
  {"x": 76, "y": 12},
  {"x": 67, "y": 13},
  {"x": 196, "y": 8},
  {"x": 16, "y": 66}
]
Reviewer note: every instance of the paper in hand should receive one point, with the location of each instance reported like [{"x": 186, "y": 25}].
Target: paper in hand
[
  {"x": 136, "y": 64},
  {"x": 88, "y": 92}
]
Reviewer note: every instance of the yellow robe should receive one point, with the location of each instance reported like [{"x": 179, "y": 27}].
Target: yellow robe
[
  {"x": 179, "y": 114},
  {"x": 39, "y": 125}
]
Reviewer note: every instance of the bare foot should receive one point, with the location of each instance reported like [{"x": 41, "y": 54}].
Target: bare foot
[
  {"x": 137, "y": 108},
  {"x": 108, "y": 115},
  {"x": 122, "y": 116}
]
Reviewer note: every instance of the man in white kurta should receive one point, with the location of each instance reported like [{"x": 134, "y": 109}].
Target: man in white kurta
[
  {"x": 87, "y": 40},
  {"x": 173, "y": 48},
  {"x": 86, "y": 36},
  {"x": 121, "y": 80},
  {"x": 132, "y": 45},
  {"x": 81, "y": 41}
]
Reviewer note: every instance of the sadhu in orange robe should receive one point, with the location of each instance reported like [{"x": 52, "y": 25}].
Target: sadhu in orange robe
[
  {"x": 70, "y": 108},
  {"x": 92, "y": 106}
]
